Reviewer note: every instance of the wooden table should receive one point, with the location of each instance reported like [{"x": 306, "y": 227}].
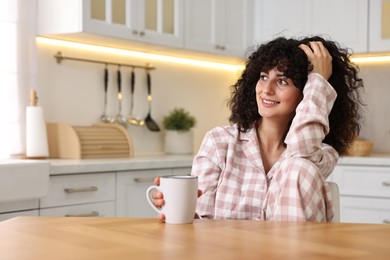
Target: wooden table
[{"x": 120, "y": 238}]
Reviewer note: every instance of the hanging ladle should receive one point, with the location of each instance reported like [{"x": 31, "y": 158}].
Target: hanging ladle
[
  {"x": 120, "y": 119},
  {"x": 150, "y": 123},
  {"x": 131, "y": 118},
  {"x": 104, "y": 117}
]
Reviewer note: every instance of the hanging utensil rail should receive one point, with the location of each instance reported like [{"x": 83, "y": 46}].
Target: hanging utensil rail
[{"x": 60, "y": 57}]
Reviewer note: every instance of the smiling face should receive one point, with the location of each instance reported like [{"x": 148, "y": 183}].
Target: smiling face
[{"x": 276, "y": 95}]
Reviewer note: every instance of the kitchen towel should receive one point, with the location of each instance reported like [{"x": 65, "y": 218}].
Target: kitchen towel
[{"x": 36, "y": 136}]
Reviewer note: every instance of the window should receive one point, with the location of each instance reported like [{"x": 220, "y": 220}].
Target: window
[{"x": 17, "y": 72}]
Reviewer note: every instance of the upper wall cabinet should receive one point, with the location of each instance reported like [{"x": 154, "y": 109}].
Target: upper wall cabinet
[
  {"x": 379, "y": 26},
  {"x": 150, "y": 21},
  {"x": 218, "y": 26},
  {"x": 342, "y": 21}
]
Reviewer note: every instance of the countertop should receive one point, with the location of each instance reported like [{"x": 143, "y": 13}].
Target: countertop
[
  {"x": 63, "y": 166},
  {"x": 127, "y": 238},
  {"x": 382, "y": 159},
  {"x": 70, "y": 166}
]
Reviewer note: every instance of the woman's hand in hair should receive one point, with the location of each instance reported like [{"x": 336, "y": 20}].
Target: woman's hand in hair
[{"x": 319, "y": 57}]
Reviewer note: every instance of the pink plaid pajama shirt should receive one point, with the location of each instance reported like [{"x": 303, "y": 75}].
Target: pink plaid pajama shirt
[{"x": 235, "y": 185}]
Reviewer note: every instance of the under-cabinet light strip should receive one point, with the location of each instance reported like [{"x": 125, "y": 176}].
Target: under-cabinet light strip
[
  {"x": 143, "y": 55},
  {"x": 208, "y": 64},
  {"x": 371, "y": 59}
]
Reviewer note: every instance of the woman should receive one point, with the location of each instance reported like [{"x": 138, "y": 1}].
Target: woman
[{"x": 294, "y": 110}]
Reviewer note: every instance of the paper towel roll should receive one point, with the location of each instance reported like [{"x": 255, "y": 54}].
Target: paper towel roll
[{"x": 36, "y": 136}]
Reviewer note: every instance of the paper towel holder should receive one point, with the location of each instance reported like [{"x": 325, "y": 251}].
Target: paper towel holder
[{"x": 35, "y": 131}]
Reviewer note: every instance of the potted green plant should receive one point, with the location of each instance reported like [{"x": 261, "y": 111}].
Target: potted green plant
[{"x": 178, "y": 135}]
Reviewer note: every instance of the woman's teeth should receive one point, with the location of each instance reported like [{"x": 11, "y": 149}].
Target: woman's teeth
[{"x": 269, "y": 102}]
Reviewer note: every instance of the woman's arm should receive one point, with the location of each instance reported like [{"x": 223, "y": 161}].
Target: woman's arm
[
  {"x": 208, "y": 170},
  {"x": 311, "y": 122}
]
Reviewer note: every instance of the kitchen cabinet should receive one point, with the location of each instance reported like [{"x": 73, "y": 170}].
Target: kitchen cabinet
[
  {"x": 131, "y": 191},
  {"x": 147, "y": 21},
  {"x": 22, "y": 184},
  {"x": 19, "y": 208},
  {"x": 364, "y": 193},
  {"x": 219, "y": 26},
  {"x": 89, "y": 194},
  {"x": 379, "y": 26},
  {"x": 101, "y": 209},
  {"x": 342, "y": 21},
  {"x": 4, "y": 216}
]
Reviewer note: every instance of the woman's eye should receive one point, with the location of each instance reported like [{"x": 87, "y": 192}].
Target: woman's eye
[
  {"x": 263, "y": 77},
  {"x": 283, "y": 82}
]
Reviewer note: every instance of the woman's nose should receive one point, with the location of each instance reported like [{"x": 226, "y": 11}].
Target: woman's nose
[{"x": 268, "y": 87}]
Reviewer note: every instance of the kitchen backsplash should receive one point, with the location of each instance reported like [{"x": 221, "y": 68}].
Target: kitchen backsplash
[
  {"x": 73, "y": 92},
  {"x": 376, "y": 124}
]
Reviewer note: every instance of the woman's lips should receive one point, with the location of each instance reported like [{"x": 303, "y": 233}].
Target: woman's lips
[{"x": 269, "y": 102}]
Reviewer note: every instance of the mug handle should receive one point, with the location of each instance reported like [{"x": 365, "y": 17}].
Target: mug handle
[{"x": 149, "y": 198}]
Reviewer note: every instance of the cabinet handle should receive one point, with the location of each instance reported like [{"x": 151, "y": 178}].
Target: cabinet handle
[
  {"x": 146, "y": 179},
  {"x": 91, "y": 214},
  {"x": 141, "y": 33},
  {"x": 135, "y": 32},
  {"x": 86, "y": 189},
  {"x": 386, "y": 183},
  {"x": 386, "y": 221},
  {"x": 220, "y": 47}
]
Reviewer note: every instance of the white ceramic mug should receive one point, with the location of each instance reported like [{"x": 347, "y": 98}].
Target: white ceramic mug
[{"x": 180, "y": 195}]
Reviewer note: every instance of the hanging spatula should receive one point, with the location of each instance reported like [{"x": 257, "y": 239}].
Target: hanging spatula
[{"x": 150, "y": 123}]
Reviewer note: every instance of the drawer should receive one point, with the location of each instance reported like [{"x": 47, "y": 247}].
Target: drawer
[
  {"x": 131, "y": 193},
  {"x": 101, "y": 209},
  {"x": 79, "y": 189},
  {"x": 364, "y": 210},
  {"x": 363, "y": 181}
]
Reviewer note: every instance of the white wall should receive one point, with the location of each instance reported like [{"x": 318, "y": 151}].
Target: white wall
[
  {"x": 376, "y": 124},
  {"x": 72, "y": 92}
]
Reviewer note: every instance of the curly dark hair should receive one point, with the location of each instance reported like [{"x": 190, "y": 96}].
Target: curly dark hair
[{"x": 286, "y": 56}]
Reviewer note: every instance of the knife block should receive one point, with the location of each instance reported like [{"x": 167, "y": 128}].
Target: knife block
[{"x": 88, "y": 142}]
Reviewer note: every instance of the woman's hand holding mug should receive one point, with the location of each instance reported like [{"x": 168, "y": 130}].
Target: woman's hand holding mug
[{"x": 159, "y": 199}]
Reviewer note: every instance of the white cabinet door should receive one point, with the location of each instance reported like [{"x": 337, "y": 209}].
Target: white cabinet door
[
  {"x": 379, "y": 26},
  {"x": 365, "y": 210},
  {"x": 342, "y": 21},
  {"x": 100, "y": 209},
  {"x": 79, "y": 189},
  {"x": 275, "y": 18},
  {"x": 160, "y": 21},
  {"x": 18, "y": 214},
  {"x": 218, "y": 26},
  {"x": 151, "y": 21},
  {"x": 364, "y": 193},
  {"x": 109, "y": 18},
  {"x": 19, "y": 205},
  {"x": 367, "y": 181},
  {"x": 131, "y": 191}
]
